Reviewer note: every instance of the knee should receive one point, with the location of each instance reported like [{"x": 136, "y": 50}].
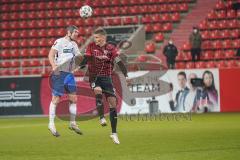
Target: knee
[
  {"x": 55, "y": 99},
  {"x": 98, "y": 90},
  {"x": 73, "y": 99}
]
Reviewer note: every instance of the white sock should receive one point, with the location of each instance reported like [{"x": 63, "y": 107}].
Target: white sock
[
  {"x": 52, "y": 113},
  {"x": 73, "y": 112}
]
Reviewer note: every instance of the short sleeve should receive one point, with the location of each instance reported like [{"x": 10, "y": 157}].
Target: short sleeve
[
  {"x": 56, "y": 45},
  {"x": 115, "y": 53},
  {"x": 77, "y": 51},
  {"x": 88, "y": 50}
]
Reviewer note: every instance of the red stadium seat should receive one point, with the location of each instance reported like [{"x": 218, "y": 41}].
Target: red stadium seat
[
  {"x": 150, "y": 47},
  {"x": 98, "y": 21},
  {"x": 203, "y": 25},
  {"x": 44, "y": 52},
  {"x": 15, "y": 71},
  {"x": 107, "y": 12},
  {"x": 14, "y": 34},
  {"x": 221, "y": 64},
  {"x": 51, "y": 32},
  {"x": 233, "y": 24},
  {"x": 34, "y": 63},
  {"x": 176, "y": 17},
  {"x": 116, "y": 11},
  {"x": 227, "y": 44},
  {"x": 141, "y": 58},
  {"x": 200, "y": 65},
  {"x": 32, "y": 33},
  {"x": 157, "y": 27},
  {"x": 5, "y": 54},
  {"x": 33, "y": 42},
  {"x": 34, "y": 52},
  {"x": 218, "y": 55},
  {"x": 230, "y": 53},
  {"x": 127, "y": 20},
  {"x": 232, "y": 64},
  {"x": 5, "y": 72},
  {"x": 205, "y": 35},
  {"x": 26, "y": 71},
  {"x": 190, "y": 65},
  {"x": 186, "y": 47},
  {"x": 180, "y": 57},
  {"x": 61, "y": 32},
  {"x": 5, "y": 44},
  {"x": 208, "y": 55},
  {"x": 210, "y": 64},
  {"x": 25, "y": 63},
  {"x": 36, "y": 71},
  {"x": 5, "y": 34},
  {"x": 14, "y": 53},
  {"x": 181, "y": 65},
  {"x": 146, "y": 19},
  {"x": 220, "y": 5},
  {"x": 46, "y": 62},
  {"x": 221, "y": 14},
  {"x": 41, "y": 24},
  {"x": 148, "y": 28},
  {"x": 235, "y": 33},
  {"x": 97, "y": 12},
  {"x": 184, "y": 7},
  {"x": 40, "y": 5},
  {"x": 15, "y": 63},
  {"x": 5, "y": 64},
  {"x": 236, "y": 43},
  {"x": 167, "y": 27},
  {"x": 24, "y": 53},
  {"x": 60, "y": 23},
  {"x": 156, "y": 18},
  {"x": 89, "y": 22},
  {"x": 231, "y": 14},
  {"x": 159, "y": 37},
  {"x": 43, "y": 42},
  {"x": 115, "y": 2}
]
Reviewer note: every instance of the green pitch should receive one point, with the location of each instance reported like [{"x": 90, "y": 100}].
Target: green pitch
[{"x": 206, "y": 136}]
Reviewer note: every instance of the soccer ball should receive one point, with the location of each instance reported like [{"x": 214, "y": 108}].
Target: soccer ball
[{"x": 85, "y": 11}]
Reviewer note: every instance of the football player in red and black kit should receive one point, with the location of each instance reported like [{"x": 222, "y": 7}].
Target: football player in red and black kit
[{"x": 100, "y": 57}]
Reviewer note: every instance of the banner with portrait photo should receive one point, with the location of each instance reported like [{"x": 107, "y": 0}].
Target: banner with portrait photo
[{"x": 194, "y": 90}]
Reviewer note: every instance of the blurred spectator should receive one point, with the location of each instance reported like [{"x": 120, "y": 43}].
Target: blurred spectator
[
  {"x": 195, "y": 41},
  {"x": 238, "y": 52},
  {"x": 171, "y": 52}
]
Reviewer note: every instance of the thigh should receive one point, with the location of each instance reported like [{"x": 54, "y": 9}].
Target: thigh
[
  {"x": 107, "y": 87},
  {"x": 70, "y": 83},
  {"x": 57, "y": 84},
  {"x": 72, "y": 97}
]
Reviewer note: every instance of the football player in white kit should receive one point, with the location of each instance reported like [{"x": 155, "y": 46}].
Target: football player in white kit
[{"x": 62, "y": 59}]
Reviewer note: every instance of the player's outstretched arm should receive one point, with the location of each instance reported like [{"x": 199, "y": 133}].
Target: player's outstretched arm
[{"x": 121, "y": 65}]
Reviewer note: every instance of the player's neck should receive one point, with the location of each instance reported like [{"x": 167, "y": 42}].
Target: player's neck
[
  {"x": 68, "y": 38},
  {"x": 102, "y": 44}
]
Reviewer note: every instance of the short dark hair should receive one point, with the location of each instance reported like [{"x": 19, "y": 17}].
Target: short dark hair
[
  {"x": 71, "y": 28},
  {"x": 100, "y": 31},
  {"x": 182, "y": 74}
]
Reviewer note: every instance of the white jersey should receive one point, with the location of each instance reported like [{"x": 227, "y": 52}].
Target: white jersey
[{"x": 66, "y": 52}]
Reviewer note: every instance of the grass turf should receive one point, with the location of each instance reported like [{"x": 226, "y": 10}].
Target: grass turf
[{"x": 207, "y": 136}]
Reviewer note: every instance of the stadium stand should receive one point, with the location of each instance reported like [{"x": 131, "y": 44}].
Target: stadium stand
[{"x": 29, "y": 28}]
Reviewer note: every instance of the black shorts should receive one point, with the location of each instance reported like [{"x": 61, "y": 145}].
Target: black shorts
[{"x": 105, "y": 83}]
